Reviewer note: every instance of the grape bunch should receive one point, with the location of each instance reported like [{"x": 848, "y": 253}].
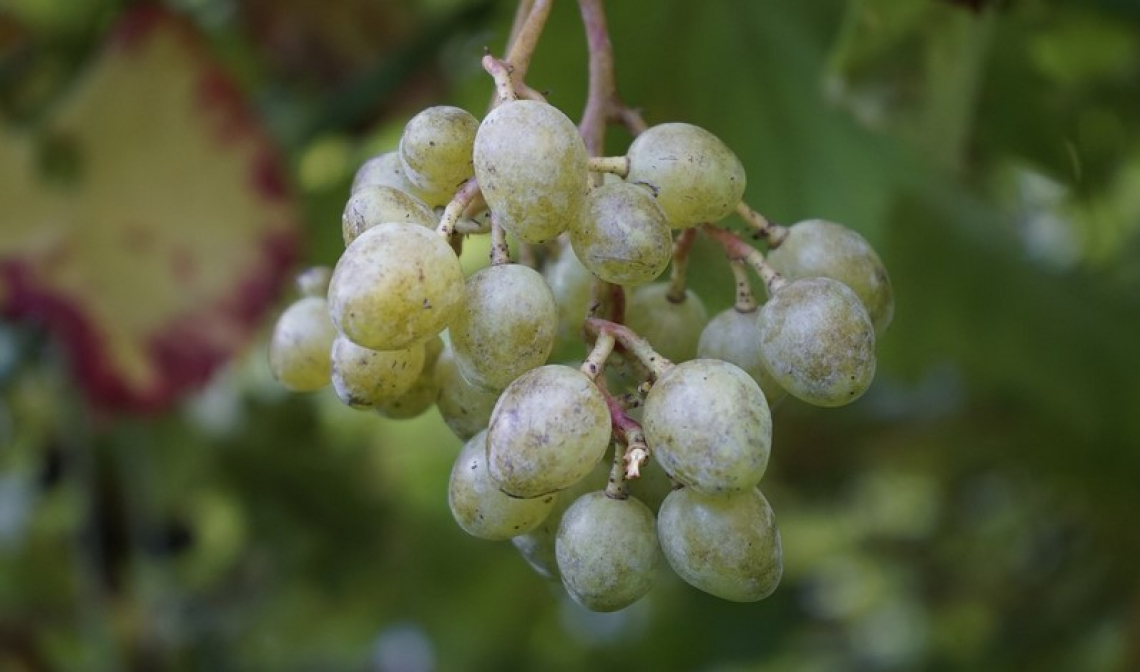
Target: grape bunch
[{"x": 650, "y": 450}]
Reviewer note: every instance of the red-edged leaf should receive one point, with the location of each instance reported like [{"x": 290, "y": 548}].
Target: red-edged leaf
[{"x": 158, "y": 260}]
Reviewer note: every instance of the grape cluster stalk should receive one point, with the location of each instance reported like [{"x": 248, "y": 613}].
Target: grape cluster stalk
[{"x": 651, "y": 450}]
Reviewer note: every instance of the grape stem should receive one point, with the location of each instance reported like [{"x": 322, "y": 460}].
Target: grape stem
[
  {"x": 454, "y": 210},
  {"x": 509, "y": 73},
  {"x": 618, "y": 165},
  {"x": 595, "y": 362},
  {"x": 631, "y": 343},
  {"x": 500, "y": 252},
  {"x": 627, "y": 464},
  {"x": 745, "y": 302},
  {"x": 681, "y": 247},
  {"x": 738, "y": 250},
  {"x": 764, "y": 228}
]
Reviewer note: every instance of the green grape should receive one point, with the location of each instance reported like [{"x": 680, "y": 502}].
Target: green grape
[
  {"x": 384, "y": 169},
  {"x": 548, "y": 430},
  {"x": 607, "y": 551},
  {"x": 697, "y": 177},
  {"x": 623, "y": 236},
  {"x": 435, "y": 151},
  {"x": 537, "y": 546},
  {"x": 818, "y": 342},
  {"x": 363, "y": 377},
  {"x": 314, "y": 281},
  {"x": 422, "y": 394},
  {"x": 299, "y": 348},
  {"x": 572, "y": 287},
  {"x": 734, "y": 337},
  {"x": 532, "y": 169},
  {"x": 708, "y": 424},
  {"x": 381, "y": 204},
  {"x": 395, "y": 285},
  {"x": 653, "y": 485},
  {"x": 727, "y": 546},
  {"x": 505, "y": 326},
  {"x": 672, "y": 328},
  {"x": 819, "y": 248},
  {"x": 477, "y": 504},
  {"x": 465, "y": 407}
]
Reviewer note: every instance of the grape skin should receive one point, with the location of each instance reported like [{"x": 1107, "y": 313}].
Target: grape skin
[
  {"x": 384, "y": 169},
  {"x": 505, "y": 326},
  {"x": 435, "y": 151},
  {"x": 423, "y": 392},
  {"x": 672, "y": 328},
  {"x": 532, "y": 169},
  {"x": 299, "y": 347},
  {"x": 708, "y": 424},
  {"x": 728, "y": 546},
  {"x": 818, "y": 342},
  {"x": 465, "y": 407},
  {"x": 571, "y": 284},
  {"x": 698, "y": 179},
  {"x": 364, "y": 377},
  {"x": 607, "y": 551},
  {"x": 395, "y": 285},
  {"x": 733, "y": 336},
  {"x": 548, "y": 430},
  {"x": 623, "y": 237},
  {"x": 380, "y": 204},
  {"x": 477, "y": 504},
  {"x": 820, "y": 248}
]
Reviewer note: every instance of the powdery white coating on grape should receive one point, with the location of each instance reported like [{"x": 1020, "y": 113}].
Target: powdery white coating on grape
[
  {"x": 532, "y": 169},
  {"x": 537, "y": 546},
  {"x": 707, "y": 423},
  {"x": 435, "y": 151},
  {"x": 623, "y": 236},
  {"x": 464, "y": 406},
  {"x": 734, "y": 337},
  {"x": 364, "y": 377},
  {"x": 423, "y": 392},
  {"x": 548, "y": 430},
  {"x": 607, "y": 551},
  {"x": 697, "y": 177},
  {"x": 818, "y": 342},
  {"x": 506, "y": 325},
  {"x": 477, "y": 504},
  {"x": 395, "y": 285},
  {"x": 299, "y": 347},
  {"x": 819, "y": 248},
  {"x": 571, "y": 285},
  {"x": 381, "y": 204},
  {"x": 727, "y": 546},
  {"x": 672, "y": 328},
  {"x": 384, "y": 169}
]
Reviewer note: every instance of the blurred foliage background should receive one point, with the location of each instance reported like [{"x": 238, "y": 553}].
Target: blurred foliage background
[{"x": 976, "y": 510}]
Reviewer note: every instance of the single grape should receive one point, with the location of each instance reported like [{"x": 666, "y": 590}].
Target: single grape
[
  {"x": 435, "y": 151},
  {"x": 477, "y": 504},
  {"x": 363, "y": 377},
  {"x": 505, "y": 326},
  {"x": 548, "y": 430},
  {"x": 395, "y": 285},
  {"x": 708, "y": 424},
  {"x": 299, "y": 348},
  {"x": 572, "y": 286},
  {"x": 819, "y": 248},
  {"x": 422, "y": 394},
  {"x": 698, "y": 179},
  {"x": 607, "y": 551},
  {"x": 818, "y": 342},
  {"x": 532, "y": 169},
  {"x": 382, "y": 204},
  {"x": 537, "y": 546},
  {"x": 384, "y": 169},
  {"x": 734, "y": 337},
  {"x": 673, "y": 328},
  {"x": 464, "y": 406},
  {"x": 623, "y": 236},
  {"x": 727, "y": 546}
]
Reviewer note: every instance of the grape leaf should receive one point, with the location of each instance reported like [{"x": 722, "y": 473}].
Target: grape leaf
[{"x": 148, "y": 222}]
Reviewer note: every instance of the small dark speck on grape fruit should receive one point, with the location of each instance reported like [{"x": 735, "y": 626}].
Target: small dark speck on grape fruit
[{"x": 427, "y": 304}]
